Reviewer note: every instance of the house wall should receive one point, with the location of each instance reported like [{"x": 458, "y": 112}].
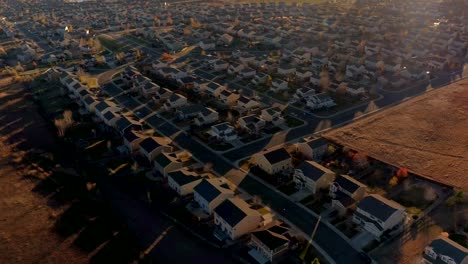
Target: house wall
[
  {"x": 263, "y": 163},
  {"x": 247, "y": 225}
]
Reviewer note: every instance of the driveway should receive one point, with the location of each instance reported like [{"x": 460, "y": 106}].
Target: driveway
[{"x": 362, "y": 239}]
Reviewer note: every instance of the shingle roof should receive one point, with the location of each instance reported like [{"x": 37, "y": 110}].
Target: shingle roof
[
  {"x": 181, "y": 178},
  {"x": 162, "y": 160},
  {"x": 313, "y": 170},
  {"x": 276, "y": 156},
  {"x": 102, "y": 106},
  {"x": 347, "y": 183},
  {"x": 130, "y": 136},
  {"x": 230, "y": 212},
  {"x": 207, "y": 190},
  {"x": 149, "y": 144},
  {"x": 379, "y": 206},
  {"x": 270, "y": 239},
  {"x": 448, "y": 247}
]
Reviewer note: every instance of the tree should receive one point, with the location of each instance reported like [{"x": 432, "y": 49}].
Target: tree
[
  {"x": 62, "y": 124},
  {"x": 453, "y": 201},
  {"x": 393, "y": 181}
]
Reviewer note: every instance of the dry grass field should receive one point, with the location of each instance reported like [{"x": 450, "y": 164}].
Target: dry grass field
[
  {"x": 427, "y": 134},
  {"x": 27, "y": 216}
]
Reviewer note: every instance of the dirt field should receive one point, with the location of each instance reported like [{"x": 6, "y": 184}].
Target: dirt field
[
  {"x": 427, "y": 134},
  {"x": 27, "y": 216}
]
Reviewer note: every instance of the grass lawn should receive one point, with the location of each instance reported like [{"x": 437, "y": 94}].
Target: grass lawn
[
  {"x": 111, "y": 44},
  {"x": 293, "y": 122},
  {"x": 288, "y": 188}
]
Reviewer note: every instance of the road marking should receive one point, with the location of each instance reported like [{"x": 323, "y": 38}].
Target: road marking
[{"x": 156, "y": 242}]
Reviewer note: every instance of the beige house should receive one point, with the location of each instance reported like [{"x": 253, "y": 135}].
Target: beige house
[
  {"x": 212, "y": 192},
  {"x": 150, "y": 147},
  {"x": 269, "y": 244},
  {"x": 313, "y": 176},
  {"x": 345, "y": 192},
  {"x": 274, "y": 161},
  {"x": 183, "y": 181},
  {"x": 313, "y": 149},
  {"x": 166, "y": 162},
  {"x": 234, "y": 218}
]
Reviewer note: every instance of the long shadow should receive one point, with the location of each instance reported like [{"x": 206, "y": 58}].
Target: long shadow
[{"x": 120, "y": 249}]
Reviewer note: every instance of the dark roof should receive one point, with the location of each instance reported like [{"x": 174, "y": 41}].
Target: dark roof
[
  {"x": 206, "y": 190},
  {"x": 122, "y": 123},
  {"x": 312, "y": 171},
  {"x": 270, "y": 239},
  {"x": 181, "y": 178},
  {"x": 378, "y": 206},
  {"x": 89, "y": 100},
  {"x": 130, "y": 136},
  {"x": 162, "y": 160},
  {"x": 149, "y": 144},
  {"x": 347, "y": 183},
  {"x": 109, "y": 115},
  {"x": 447, "y": 247},
  {"x": 102, "y": 106},
  {"x": 276, "y": 156},
  {"x": 230, "y": 213},
  {"x": 344, "y": 199},
  {"x": 317, "y": 143}
]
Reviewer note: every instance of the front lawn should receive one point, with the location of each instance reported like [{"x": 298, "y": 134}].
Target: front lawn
[{"x": 293, "y": 122}]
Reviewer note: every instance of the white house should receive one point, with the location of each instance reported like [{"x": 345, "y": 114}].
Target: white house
[
  {"x": 286, "y": 69},
  {"x": 245, "y": 104},
  {"x": 206, "y": 116},
  {"x": 166, "y": 162},
  {"x": 212, "y": 192},
  {"x": 345, "y": 191},
  {"x": 175, "y": 101},
  {"x": 273, "y": 115},
  {"x": 224, "y": 131},
  {"x": 278, "y": 85},
  {"x": 251, "y": 123},
  {"x": 313, "y": 176},
  {"x": 207, "y": 44},
  {"x": 377, "y": 214},
  {"x": 444, "y": 250}
]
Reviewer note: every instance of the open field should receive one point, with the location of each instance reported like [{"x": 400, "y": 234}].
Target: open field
[
  {"x": 28, "y": 216},
  {"x": 427, "y": 134}
]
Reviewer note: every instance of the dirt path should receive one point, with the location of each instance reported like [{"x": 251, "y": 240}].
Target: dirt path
[{"x": 27, "y": 219}]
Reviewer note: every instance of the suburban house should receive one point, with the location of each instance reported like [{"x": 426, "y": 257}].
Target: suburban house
[
  {"x": 131, "y": 140},
  {"x": 175, "y": 101},
  {"x": 443, "y": 250},
  {"x": 89, "y": 103},
  {"x": 319, "y": 101},
  {"x": 224, "y": 131},
  {"x": 183, "y": 181},
  {"x": 303, "y": 92},
  {"x": 377, "y": 214},
  {"x": 207, "y": 44},
  {"x": 260, "y": 78},
  {"x": 245, "y": 104},
  {"x": 269, "y": 244},
  {"x": 313, "y": 149},
  {"x": 189, "y": 111},
  {"x": 149, "y": 89},
  {"x": 166, "y": 162},
  {"x": 246, "y": 73},
  {"x": 212, "y": 192},
  {"x": 235, "y": 68},
  {"x": 161, "y": 95},
  {"x": 150, "y": 147},
  {"x": 273, "y": 115},
  {"x": 110, "y": 117},
  {"x": 234, "y": 218},
  {"x": 220, "y": 65},
  {"x": 345, "y": 191},
  {"x": 253, "y": 124},
  {"x": 313, "y": 176},
  {"x": 206, "y": 116},
  {"x": 103, "y": 107},
  {"x": 124, "y": 123},
  {"x": 278, "y": 85},
  {"x": 274, "y": 161},
  {"x": 286, "y": 69},
  {"x": 212, "y": 89}
]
